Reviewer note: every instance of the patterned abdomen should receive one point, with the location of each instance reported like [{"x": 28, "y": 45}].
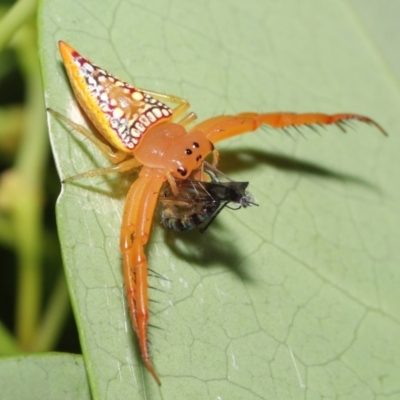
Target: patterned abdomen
[{"x": 119, "y": 111}]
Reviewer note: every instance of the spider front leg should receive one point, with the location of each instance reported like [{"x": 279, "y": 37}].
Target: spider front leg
[
  {"x": 117, "y": 157},
  {"x": 135, "y": 231},
  {"x": 224, "y": 127},
  {"x": 179, "y": 111}
]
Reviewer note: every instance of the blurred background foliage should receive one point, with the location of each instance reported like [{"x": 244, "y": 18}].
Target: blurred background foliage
[{"x": 35, "y": 313}]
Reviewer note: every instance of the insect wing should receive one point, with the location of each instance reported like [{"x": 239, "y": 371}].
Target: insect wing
[
  {"x": 119, "y": 111},
  {"x": 227, "y": 191}
]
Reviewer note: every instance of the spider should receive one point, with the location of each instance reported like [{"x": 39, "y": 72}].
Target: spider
[
  {"x": 200, "y": 199},
  {"x": 142, "y": 131}
]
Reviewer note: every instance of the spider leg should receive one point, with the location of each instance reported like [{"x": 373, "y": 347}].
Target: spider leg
[
  {"x": 115, "y": 156},
  {"x": 224, "y": 127},
  {"x": 135, "y": 231},
  {"x": 188, "y": 119},
  {"x": 123, "y": 166},
  {"x": 181, "y": 108}
]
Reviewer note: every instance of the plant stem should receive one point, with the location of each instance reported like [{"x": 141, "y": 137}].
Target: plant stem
[
  {"x": 8, "y": 345},
  {"x": 29, "y": 170},
  {"x": 18, "y": 14},
  {"x": 54, "y": 317}
]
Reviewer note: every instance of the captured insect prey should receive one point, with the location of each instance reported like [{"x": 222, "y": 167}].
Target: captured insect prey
[
  {"x": 149, "y": 130},
  {"x": 199, "y": 201}
]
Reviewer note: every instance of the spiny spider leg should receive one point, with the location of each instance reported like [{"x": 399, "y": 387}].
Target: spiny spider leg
[{"x": 224, "y": 127}]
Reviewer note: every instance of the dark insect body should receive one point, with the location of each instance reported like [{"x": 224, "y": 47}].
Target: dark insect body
[{"x": 199, "y": 202}]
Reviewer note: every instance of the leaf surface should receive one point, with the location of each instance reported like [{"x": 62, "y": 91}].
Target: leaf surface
[
  {"x": 296, "y": 298},
  {"x": 44, "y": 376}
]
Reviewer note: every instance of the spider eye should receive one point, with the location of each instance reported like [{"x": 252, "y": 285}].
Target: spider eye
[
  {"x": 198, "y": 158},
  {"x": 195, "y": 145},
  {"x": 188, "y": 151},
  {"x": 182, "y": 171}
]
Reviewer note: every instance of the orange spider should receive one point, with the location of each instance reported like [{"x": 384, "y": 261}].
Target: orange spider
[{"x": 142, "y": 131}]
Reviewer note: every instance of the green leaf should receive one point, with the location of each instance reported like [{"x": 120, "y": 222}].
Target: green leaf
[
  {"x": 296, "y": 298},
  {"x": 50, "y": 376}
]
